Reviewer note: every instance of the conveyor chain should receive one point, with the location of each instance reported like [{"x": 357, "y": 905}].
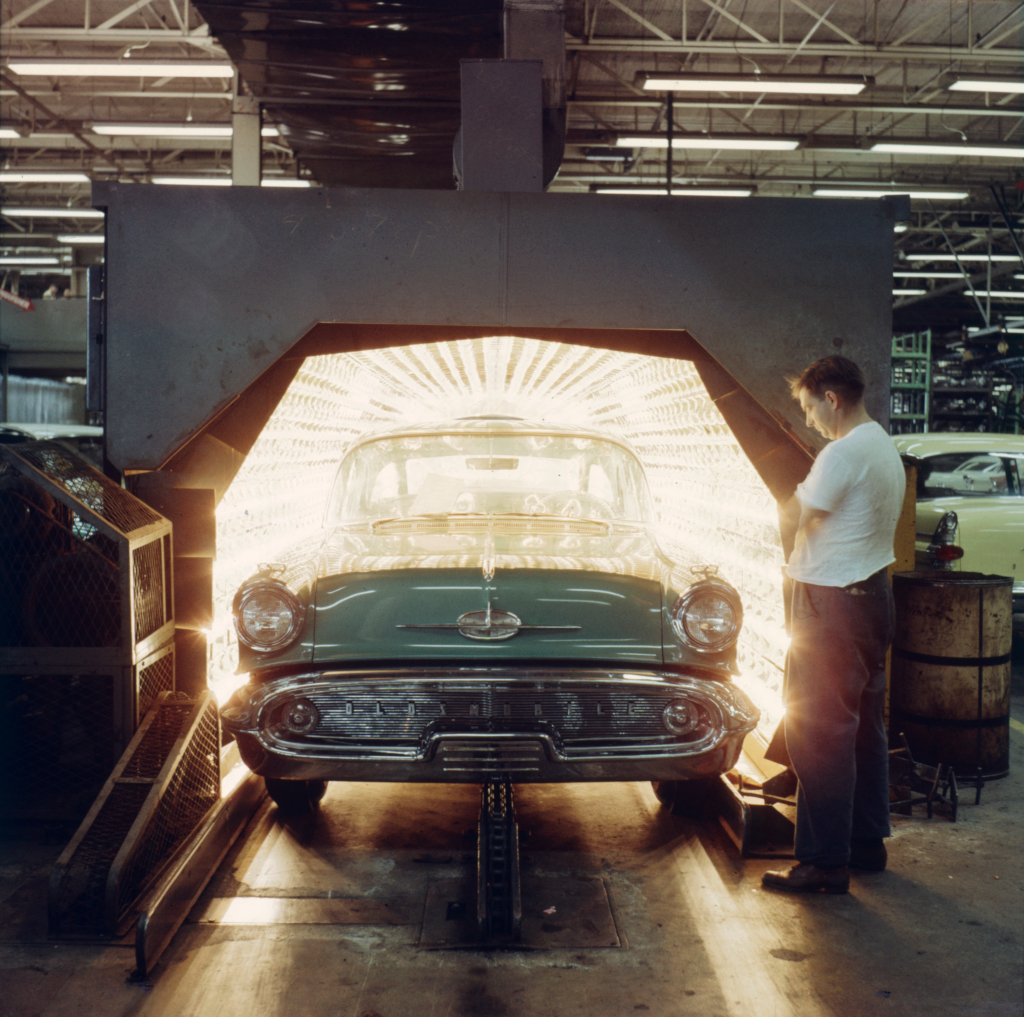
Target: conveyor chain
[{"x": 499, "y": 904}]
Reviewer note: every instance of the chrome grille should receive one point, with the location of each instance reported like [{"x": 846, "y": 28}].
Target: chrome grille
[
  {"x": 470, "y": 756},
  {"x": 406, "y": 713}
]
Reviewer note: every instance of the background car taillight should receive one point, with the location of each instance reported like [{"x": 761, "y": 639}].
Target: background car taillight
[
  {"x": 708, "y": 616},
  {"x": 943, "y": 549},
  {"x": 268, "y": 616}
]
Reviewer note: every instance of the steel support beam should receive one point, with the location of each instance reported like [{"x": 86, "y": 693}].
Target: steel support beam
[{"x": 944, "y": 55}]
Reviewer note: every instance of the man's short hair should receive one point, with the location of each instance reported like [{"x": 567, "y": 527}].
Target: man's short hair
[{"x": 830, "y": 374}]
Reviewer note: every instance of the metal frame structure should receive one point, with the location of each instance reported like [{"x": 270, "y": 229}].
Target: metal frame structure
[
  {"x": 608, "y": 42},
  {"x": 907, "y": 49},
  {"x": 763, "y": 289}
]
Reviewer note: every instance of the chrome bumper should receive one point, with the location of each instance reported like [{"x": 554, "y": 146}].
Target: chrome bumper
[{"x": 465, "y": 725}]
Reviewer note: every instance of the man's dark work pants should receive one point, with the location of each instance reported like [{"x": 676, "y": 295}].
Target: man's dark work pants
[{"x": 835, "y": 709}]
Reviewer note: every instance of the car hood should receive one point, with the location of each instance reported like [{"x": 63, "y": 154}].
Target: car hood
[{"x": 574, "y": 595}]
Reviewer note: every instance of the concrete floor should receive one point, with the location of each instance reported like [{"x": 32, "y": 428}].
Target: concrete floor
[{"x": 325, "y": 917}]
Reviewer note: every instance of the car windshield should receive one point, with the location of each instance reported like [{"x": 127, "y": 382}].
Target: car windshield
[
  {"x": 976, "y": 474},
  {"x": 483, "y": 474}
]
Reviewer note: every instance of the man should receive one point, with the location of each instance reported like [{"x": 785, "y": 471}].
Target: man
[{"x": 845, "y": 516}]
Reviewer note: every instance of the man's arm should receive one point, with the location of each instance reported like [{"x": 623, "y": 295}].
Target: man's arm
[{"x": 795, "y": 518}]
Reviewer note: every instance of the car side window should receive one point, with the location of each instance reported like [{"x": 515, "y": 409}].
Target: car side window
[{"x": 968, "y": 474}]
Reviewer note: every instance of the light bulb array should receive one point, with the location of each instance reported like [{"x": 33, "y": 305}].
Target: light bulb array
[{"x": 707, "y": 494}]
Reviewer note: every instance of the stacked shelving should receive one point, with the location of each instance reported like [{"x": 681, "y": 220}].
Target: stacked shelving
[
  {"x": 909, "y": 383},
  {"x": 962, "y": 397}
]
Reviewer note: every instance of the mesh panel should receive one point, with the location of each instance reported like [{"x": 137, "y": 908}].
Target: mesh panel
[
  {"x": 81, "y": 895},
  {"x": 85, "y": 483},
  {"x": 156, "y": 675},
  {"x": 56, "y": 744},
  {"x": 148, "y": 583},
  {"x": 194, "y": 789},
  {"x": 82, "y": 890},
  {"x": 58, "y": 573}
]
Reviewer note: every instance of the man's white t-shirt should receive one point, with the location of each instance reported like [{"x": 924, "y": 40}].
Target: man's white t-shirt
[{"x": 859, "y": 481}]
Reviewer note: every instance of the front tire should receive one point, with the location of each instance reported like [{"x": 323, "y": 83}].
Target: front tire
[
  {"x": 296, "y": 797},
  {"x": 693, "y": 798}
]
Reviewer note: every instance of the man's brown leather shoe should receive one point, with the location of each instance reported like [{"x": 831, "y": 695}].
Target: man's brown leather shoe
[
  {"x": 868, "y": 853},
  {"x": 804, "y": 878}
]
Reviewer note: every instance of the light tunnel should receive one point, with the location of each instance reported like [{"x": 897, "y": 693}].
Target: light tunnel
[{"x": 706, "y": 491}]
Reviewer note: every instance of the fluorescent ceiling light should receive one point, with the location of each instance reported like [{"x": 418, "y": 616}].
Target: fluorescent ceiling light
[
  {"x": 982, "y": 83},
  {"x": 21, "y": 260},
  {"x": 791, "y": 84},
  {"x": 681, "y": 191},
  {"x": 226, "y": 182},
  {"x": 194, "y": 181},
  {"x": 1001, "y": 294},
  {"x": 51, "y": 213},
  {"x": 973, "y": 256},
  {"x": 152, "y": 130},
  {"x": 878, "y": 192},
  {"x": 909, "y": 274},
  {"x": 606, "y": 154},
  {"x": 41, "y": 177},
  {"x": 900, "y": 227},
  {"x": 926, "y": 148},
  {"x": 186, "y": 130},
  {"x": 11, "y": 132},
  {"x": 908, "y": 293},
  {"x": 124, "y": 68},
  {"x": 80, "y": 238},
  {"x": 732, "y": 142}
]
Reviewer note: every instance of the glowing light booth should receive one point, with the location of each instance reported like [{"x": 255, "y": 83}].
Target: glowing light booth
[
  {"x": 250, "y": 335},
  {"x": 706, "y": 491}
]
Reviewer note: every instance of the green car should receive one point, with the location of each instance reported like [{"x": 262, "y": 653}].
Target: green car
[{"x": 488, "y": 598}]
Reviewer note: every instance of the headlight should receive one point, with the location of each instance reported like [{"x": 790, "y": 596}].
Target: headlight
[
  {"x": 708, "y": 617},
  {"x": 268, "y": 616}
]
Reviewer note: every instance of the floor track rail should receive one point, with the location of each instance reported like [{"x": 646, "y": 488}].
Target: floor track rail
[{"x": 499, "y": 900}]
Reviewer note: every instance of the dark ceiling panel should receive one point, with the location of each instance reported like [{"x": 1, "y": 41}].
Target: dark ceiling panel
[{"x": 366, "y": 94}]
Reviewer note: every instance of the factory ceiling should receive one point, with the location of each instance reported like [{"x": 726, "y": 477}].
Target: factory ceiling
[{"x": 367, "y": 94}]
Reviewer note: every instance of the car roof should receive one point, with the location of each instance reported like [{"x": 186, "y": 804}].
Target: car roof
[
  {"x": 923, "y": 445},
  {"x": 493, "y": 424}
]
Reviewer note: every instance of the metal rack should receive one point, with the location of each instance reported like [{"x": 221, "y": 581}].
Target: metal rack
[
  {"x": 909, "y": 383},
  {"x": 86, "y": 628}
]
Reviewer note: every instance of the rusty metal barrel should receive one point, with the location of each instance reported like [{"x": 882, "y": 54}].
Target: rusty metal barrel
[{"x": 950, "y": 676}]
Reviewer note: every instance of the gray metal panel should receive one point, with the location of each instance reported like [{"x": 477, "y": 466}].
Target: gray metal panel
[
  {"x": 764, "y": 286},
  {"x": 501, "y": 137},
  {"x": 207, "y": 287},
  {"x": 54, "y": 326}
]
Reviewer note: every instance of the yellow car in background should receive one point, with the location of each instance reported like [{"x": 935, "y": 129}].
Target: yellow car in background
[{"x": 978, "y": 478}]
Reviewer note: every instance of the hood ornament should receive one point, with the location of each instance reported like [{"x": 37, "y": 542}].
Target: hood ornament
[
  {"x": 489, "y": 562},
  {"x": 491, "y": 626}
]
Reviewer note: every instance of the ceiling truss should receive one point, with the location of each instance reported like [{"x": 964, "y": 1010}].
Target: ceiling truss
[{"x": 906, "y": 46}]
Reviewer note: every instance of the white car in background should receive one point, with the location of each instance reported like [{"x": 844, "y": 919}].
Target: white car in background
[{"x": 977, "y": 477}]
